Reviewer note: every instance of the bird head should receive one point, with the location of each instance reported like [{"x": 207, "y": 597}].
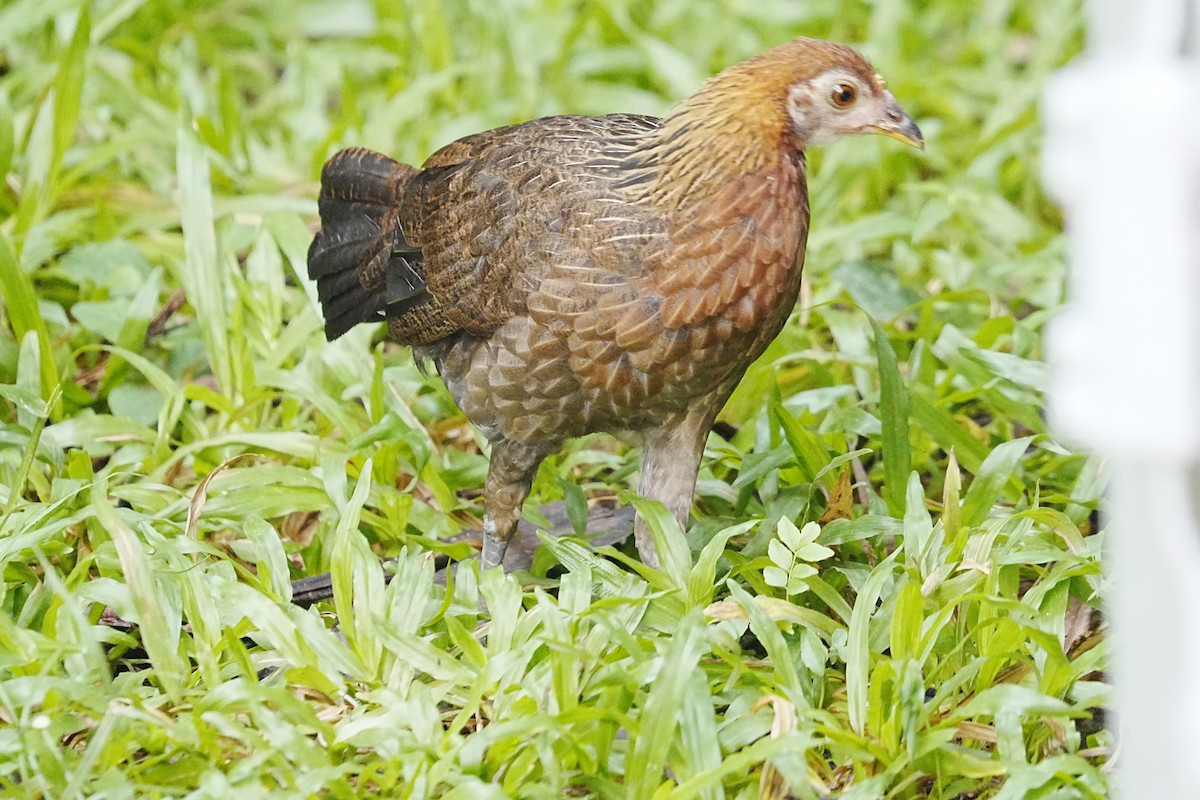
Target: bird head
[
  {"x": 805, "y": 91},
  {"x": 757, "y": 117},
  {"x": 842, "y": 101}
]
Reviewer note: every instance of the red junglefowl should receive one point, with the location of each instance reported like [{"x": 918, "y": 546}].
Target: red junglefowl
[{"x": 577, "y": 274}]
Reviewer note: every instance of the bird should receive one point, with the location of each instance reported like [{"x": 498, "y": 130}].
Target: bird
[{"x": 578, "y": 274}]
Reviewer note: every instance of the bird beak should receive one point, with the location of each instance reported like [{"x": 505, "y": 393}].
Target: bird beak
[{"x": 899, "y": 125}]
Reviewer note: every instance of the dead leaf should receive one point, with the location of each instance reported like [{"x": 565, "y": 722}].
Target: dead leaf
[
  {"x": 841, "y": 499},
  {"x": 772, "y": 785},
  {"x": 201, "y": 495},
  {"x": 1080, "y": 622}
]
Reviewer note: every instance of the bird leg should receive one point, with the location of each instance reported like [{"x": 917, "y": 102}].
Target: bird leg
[
  {"x": 670, "y": 461},
  {"x": 510, "y": 475}
]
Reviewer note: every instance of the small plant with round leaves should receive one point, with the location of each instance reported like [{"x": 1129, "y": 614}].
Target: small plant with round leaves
[{"x": 793, "y": 554}]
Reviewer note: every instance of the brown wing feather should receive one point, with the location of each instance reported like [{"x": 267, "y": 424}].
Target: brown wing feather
[{"x": 497, "y": 213}]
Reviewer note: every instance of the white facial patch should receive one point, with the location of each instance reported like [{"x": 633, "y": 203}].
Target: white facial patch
[
  {"x": 802, "y": 108},
  {"x": 815, "y": 117}
]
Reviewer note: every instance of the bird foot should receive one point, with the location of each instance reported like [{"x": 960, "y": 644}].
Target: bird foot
[{"x": 493, "y": 551}]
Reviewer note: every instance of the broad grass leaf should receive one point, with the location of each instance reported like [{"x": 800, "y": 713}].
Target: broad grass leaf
[
  {"x": 811, "y": 454},
  {"x": 204, "y": 274},
  {"x": 6, "y": 134},
  {"x": 646, "y": 762},
  {"x": 20, "y": 301},
  {"x": 158, "y": 628},
  {"x": 701, "y": 586},
  {"x": 894, "y": 414},
  {"x": 858, "y": 656},
  {"x": 991, "y": 479},
  {"x": 782, "y": 659},
  {"x": 907, "y": 618},
  {"x": 357, "y": 578},
  {"x": 269, "y": 558},
  {"x": 699, "y": 737},
  {"x": 673, "y": 554},
  {"x": 920, "y": 544},
  {"x": 876, "y": 288},
  {"x": 943, "y": 429},
  {"x": 68, "y": 89}
]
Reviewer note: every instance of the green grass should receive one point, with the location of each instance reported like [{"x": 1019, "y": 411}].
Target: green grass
[{"x": 178, "y": 441}]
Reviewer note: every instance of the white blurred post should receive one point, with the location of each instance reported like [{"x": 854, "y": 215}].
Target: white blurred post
[{"x": 1123, "y": 156}]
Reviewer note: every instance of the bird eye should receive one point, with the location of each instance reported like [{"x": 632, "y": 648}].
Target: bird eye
[{"x": 843, "y": 95}]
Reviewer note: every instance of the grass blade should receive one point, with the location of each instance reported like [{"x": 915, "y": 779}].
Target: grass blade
[
  {"x": 660, "y": 714},
  {"x": 68, "y": 90},
  {"x": 357, "y": 578},
  {"x": 782, "y": 658},
  {"x": 20, "y": 300},
  {"x": 159, "y": 637},
  {"x": 893, "y": 414},
  {"x": 990, "y": 480},
  {"x": 858, "y": 659},
  {"x": 204, "y": 274}
]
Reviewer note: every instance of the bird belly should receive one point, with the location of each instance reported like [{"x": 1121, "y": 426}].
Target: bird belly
[{"x": 539, "y": 384}]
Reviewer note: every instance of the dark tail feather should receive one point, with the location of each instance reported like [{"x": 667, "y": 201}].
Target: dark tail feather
[{"x": 360, "y": 227}]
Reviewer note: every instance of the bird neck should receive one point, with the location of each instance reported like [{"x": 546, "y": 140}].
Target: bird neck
[
  {"x": 735, "y": 129},
  {"x": 728, "y": 180},
  {"x": 712, "y": 142}
]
